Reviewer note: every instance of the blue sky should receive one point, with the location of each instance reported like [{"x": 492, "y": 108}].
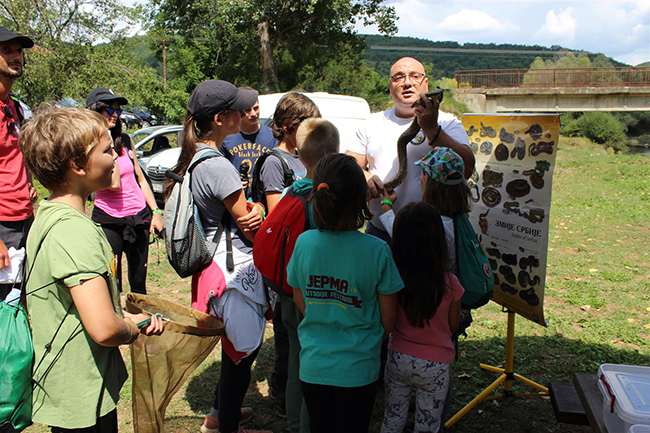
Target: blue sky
[{"x": 617, "y": 28}]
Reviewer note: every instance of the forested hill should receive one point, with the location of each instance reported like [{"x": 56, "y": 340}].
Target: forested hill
[{"x": 448, "y": 56}]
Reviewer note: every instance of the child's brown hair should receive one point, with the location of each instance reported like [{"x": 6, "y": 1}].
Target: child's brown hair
[
  {"x": 292, "y": 109},
  {"x": 58, "y": 139},
  {"x": 449, "y": 200},
  {"x": 315, "y": 139}
]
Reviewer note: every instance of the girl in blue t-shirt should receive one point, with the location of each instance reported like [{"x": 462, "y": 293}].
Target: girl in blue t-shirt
[{"x": 346, "y": 283}]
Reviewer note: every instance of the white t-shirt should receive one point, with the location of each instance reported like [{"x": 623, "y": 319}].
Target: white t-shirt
[{"x": 377, "y": 139}]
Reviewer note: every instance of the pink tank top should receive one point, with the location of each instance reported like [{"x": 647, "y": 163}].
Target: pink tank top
[{"x": 128, "y": 200}]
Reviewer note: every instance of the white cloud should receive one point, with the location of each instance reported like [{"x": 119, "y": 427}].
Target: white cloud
[
  {"x": 617, "y": 28},
  {"x": 634, "y": 57},
  {"x": 639, "y": 34},
  {"x": 471, "y": 21},
  {"x": 558, "y": 29},
  {"x": 412, "y": 20}
]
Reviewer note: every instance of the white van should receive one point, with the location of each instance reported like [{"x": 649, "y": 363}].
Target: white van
[{"x": 347, "y": 113}]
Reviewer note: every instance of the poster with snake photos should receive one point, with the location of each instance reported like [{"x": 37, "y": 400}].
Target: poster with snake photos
[{"x": 511, "y": 193}]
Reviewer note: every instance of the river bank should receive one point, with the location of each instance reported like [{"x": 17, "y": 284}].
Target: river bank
[{"x": 636, "y": 148}]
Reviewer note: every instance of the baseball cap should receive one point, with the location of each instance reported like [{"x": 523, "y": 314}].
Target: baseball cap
[
  {"x": 443, "y": 165},
  {"x": 104, "y": 95},
  {"x": 8, "y": 35},
  {"x": 216, "y": 96}
]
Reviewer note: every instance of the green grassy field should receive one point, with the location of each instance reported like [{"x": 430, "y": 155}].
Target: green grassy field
[{"x": 597, "y": 302}]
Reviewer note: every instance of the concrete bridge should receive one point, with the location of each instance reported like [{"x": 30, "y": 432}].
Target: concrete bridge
[{"x": 554, "y": 90}]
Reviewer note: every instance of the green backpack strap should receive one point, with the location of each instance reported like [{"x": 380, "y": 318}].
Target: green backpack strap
[{"x": 474, "y": 272}]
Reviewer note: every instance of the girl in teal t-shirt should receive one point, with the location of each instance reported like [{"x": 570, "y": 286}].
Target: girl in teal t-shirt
[{"x": 346, "y": 283}]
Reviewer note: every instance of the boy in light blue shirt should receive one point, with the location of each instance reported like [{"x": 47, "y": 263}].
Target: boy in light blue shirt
[{"x": 315, "y": 139}]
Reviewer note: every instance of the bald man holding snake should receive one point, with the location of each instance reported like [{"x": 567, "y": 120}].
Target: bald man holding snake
[{"x": 376, "y": 148}]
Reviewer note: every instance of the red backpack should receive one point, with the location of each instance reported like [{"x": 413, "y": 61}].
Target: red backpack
[{"x": 276, "y": 239}]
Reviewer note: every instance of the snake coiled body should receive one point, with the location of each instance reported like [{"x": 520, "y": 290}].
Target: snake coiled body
[
  {"x": 402, "y": 159},
  {"x": 403, "y": 140}
]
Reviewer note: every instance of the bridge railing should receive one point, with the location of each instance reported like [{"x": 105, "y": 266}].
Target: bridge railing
[{"x": 567, "y": 77}]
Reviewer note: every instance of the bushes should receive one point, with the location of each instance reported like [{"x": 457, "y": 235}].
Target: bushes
[
  {"x": 602, "y": 128},
  {"x": 569, "y": 123}
]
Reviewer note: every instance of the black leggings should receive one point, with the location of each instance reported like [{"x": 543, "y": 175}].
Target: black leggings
[
  {"x": 136, "y": 252},
  {"x": 231, "y": 390},
  {"x": 281, "y": 368},
  {"x": 338, "y": 409}
]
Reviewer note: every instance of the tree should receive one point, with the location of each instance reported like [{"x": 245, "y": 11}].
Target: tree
[
  {"x": 347, "y": 75},
  {"x": 66, "y": 63},
  {"x": 77, "y": 21},
  {"x": 602, "y": 128},
  {"x": 269, "y": 42}
]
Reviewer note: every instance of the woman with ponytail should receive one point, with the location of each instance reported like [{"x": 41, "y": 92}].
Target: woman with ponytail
[
  {"x": 346, "y": 283},
  {"x": 236, "y": 294}
]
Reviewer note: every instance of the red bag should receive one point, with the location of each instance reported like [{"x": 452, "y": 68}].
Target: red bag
[{"x": 276, "y": 239}]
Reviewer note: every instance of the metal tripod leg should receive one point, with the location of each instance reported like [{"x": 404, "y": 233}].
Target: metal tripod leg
[{"x": 506, "y": 377}]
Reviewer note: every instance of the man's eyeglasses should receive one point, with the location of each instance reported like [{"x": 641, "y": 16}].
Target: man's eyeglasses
[
  {"x": 11, "y": 123},
  {"x": 112, "y": 111},
  {"x": 415, "y": 77}
]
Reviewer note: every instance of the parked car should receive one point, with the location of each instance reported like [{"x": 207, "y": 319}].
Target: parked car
[
  {"x": 347, "y": 113},
  {"x": 130, "y": 120},
  {"x": 154, "y": 140},
  {"x": 70, "y": 102},
  {"x": 148, "y": 119},
  {"x": 27, "y": 110}
]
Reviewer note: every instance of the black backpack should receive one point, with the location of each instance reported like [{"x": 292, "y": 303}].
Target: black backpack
[{"x": 258, "y": 193}]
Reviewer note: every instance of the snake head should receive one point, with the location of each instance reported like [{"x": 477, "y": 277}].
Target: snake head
[{"x": 435, "y": 94}]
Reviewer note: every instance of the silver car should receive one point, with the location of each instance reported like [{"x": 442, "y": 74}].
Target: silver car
[{"x": 157, "y": 148}]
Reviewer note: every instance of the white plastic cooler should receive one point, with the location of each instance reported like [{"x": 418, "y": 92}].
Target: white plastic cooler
[{"x": 626, "y": 396}]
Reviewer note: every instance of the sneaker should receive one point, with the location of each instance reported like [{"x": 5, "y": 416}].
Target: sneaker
[{"x": 211, "y": 424}]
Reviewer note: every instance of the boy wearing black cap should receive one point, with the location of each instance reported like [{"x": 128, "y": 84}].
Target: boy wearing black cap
[{"x": 16, "y": 190}]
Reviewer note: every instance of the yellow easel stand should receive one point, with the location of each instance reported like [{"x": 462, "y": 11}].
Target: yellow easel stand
[{"x": 506, "y": 377}]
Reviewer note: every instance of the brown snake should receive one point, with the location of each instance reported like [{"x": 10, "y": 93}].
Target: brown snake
[{"x": 404, "y": 140}]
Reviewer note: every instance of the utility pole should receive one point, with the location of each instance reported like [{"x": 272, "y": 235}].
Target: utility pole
[
  {"x": 165, "y": 44},
  {"x": 164, "y": 64}
]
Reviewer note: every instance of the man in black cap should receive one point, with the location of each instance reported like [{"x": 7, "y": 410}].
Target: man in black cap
[{"x": 16, "y": 190}]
